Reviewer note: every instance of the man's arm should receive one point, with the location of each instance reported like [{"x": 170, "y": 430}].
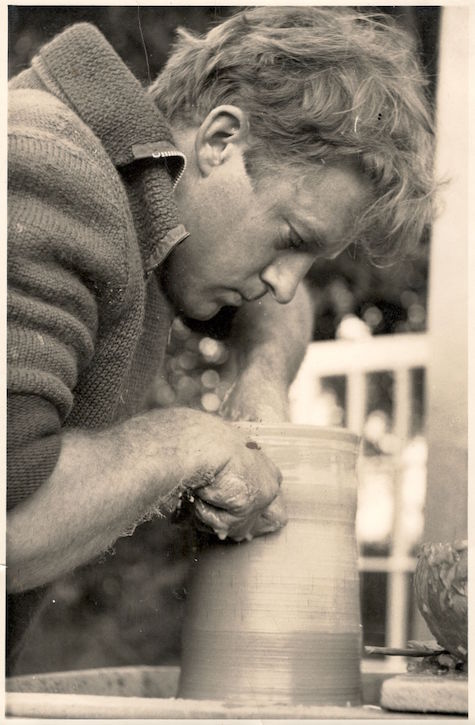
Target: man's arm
[
  {"x": 106, "y": 482},
  {"x": 268, "y": 344}
]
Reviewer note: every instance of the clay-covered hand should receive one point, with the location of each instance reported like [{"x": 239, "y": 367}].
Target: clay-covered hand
[
  {"x": 237, "y": 526},
  {"x": 235, "y": 491}
]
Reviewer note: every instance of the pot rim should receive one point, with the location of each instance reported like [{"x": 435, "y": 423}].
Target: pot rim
[{"x": 297, "y": 430}]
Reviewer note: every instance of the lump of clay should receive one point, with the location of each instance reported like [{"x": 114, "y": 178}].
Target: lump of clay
[{"x": 440, "y": 583}]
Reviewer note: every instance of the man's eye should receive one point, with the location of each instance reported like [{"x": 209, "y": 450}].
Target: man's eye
[{"x": 294, "y": 241}]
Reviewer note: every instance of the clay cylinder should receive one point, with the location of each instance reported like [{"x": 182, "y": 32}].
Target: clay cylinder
[{"x": 277, "y": 619}]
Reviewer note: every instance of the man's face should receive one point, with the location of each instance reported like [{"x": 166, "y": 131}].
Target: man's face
[{"x": 247, "y": 242}]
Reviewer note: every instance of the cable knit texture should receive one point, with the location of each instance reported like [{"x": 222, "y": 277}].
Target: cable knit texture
[{"x": 90, "y": 216}]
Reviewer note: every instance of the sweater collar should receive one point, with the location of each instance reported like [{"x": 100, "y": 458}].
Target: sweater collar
[{"x": 83, "y": 69}]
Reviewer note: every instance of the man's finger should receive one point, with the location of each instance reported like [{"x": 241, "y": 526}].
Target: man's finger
[
  {"x": 218, "y": 520},
  {"x": 230, "y": 491},
  {"x": 272, "y": 519}
]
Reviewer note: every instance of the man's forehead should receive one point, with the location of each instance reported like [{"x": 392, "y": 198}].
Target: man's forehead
[
  {"x": 332, "y": 179},
  {"x": 328, "y": 199}
]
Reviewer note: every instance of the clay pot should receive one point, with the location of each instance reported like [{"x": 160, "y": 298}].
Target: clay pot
[{"x": 277, "y": 619}]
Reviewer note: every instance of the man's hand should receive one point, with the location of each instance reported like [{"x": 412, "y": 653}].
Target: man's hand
[
  {"x": 242, "y": 499},
  {"x": 268, "y": 343},
  {"x": 235, "y": 488},
  {"x": 257, "y": 396}
]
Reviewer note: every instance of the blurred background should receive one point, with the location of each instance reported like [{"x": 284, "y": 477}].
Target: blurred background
[{"x": 127, "y": 608}]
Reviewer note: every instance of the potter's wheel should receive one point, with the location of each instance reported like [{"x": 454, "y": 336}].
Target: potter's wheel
[{"x": 147, "y": 692}]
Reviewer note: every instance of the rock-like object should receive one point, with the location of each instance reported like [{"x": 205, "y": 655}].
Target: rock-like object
[{"x": 441, "y": 593}]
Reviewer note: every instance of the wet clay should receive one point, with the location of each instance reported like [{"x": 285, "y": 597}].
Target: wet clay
[{"x": 277, "y": 619}]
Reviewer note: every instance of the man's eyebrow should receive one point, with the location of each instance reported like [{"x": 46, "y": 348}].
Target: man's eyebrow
[
  {"x": 320, "y": 239},
  {"x": 311, "y": 234}
]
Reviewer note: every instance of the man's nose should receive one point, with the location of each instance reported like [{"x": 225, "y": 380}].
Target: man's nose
[{"x": 284, "y": 274}]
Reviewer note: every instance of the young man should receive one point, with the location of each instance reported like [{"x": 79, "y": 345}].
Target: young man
[{"x": 279, "y": 138}]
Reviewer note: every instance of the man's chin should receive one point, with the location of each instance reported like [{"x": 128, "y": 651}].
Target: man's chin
[
  {"x": 204, "y": 317},
  {"x": 201, "y": 315}
]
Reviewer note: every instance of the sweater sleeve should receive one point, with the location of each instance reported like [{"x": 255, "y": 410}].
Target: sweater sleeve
[
  {"x": 59, "y": 259},
  {"x": 33, "y": 444}
]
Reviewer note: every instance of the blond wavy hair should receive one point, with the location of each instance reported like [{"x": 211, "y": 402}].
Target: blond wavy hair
[{"x": 320, "y": 85}]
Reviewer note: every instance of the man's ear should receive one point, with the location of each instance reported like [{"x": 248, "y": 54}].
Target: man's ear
[{"x": 224, "y": 131}]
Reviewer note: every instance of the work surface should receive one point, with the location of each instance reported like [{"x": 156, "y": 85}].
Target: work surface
[{"x": 147, "y": 692}]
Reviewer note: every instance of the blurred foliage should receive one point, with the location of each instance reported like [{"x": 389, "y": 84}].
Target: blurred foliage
[
  {"x": 141, "y": 35},
  {"x": 124, "y": 609},
  {"x": 128, "y": 607}
]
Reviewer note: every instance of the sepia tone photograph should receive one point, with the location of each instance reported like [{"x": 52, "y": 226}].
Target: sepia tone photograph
[{"x": 237, "y": 397}]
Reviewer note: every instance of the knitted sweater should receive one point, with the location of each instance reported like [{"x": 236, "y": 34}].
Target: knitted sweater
[{"x": 91, "y": 217}]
